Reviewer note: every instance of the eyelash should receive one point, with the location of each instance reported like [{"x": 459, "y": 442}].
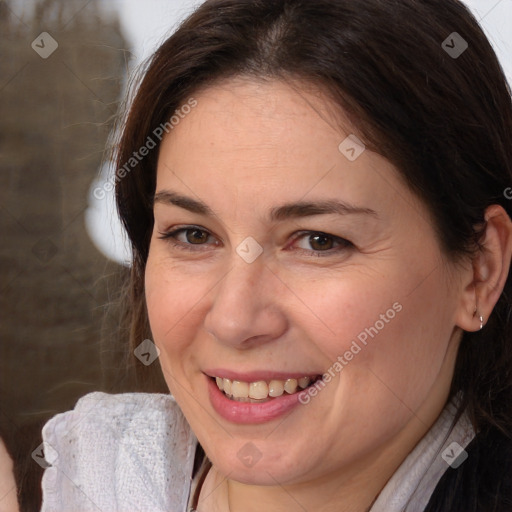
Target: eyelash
[
  {"x": 343, "y": 244},
  {"x": 169, "y": 237}
]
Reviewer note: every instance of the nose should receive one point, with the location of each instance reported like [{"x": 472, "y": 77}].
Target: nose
[{"x": 245, "y": 310}]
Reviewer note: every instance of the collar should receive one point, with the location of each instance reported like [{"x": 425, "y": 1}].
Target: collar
[{"x": 412, "y": 485}]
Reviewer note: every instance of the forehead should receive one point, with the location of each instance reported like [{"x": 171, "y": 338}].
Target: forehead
[
  {"x": 260, "y": 117},
  {"x": 259, "y": 142}
]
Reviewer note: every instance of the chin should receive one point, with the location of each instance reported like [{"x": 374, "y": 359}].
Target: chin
[{"x": 248, "y": 465}]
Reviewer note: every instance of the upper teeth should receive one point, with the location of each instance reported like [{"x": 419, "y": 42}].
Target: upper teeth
[{"x": 260, "y": 390}]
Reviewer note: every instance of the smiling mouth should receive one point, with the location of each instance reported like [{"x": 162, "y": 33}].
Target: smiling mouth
[{"x": 262, "y": 391}]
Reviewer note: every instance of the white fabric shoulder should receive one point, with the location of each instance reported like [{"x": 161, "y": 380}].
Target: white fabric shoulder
[{"x": 131, "y": 452}]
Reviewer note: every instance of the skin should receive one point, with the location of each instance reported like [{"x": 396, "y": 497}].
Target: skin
[
  {"x": 249, "y": 147},
  {"x": 8, "y": 499}
]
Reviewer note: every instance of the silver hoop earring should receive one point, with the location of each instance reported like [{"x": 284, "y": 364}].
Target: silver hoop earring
[{"x": 481, "y": 318}]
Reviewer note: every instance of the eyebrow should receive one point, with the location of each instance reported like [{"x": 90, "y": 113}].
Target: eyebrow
[
  {"x": 280, "y": 213},
  {"x": 187, "y": 203},
  {"x": 307, "y": 209}
]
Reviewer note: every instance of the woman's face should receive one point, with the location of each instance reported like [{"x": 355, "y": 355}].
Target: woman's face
[{"x": 283, "y": 250}]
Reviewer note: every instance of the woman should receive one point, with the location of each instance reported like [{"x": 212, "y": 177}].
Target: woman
[{"x": 315, "y": 197}]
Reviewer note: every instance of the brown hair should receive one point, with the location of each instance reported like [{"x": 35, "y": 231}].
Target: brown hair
[{"x": 444, "y": 122}]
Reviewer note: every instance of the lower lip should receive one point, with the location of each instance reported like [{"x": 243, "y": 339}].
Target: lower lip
[{"x": 247, "y": 412}]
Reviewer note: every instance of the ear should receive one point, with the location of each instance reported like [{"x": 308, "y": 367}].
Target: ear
[{"x": 490, "y": 267}]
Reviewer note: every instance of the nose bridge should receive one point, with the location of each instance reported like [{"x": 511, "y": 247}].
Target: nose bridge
[
  {"x": 243, "y": 285},
  {"x": 243, "y": 308}
]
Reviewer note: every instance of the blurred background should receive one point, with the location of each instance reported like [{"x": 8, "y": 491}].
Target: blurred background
[{"x": 64, "y": 68}]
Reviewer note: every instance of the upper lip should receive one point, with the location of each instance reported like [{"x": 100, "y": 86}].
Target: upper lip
[{"x": 257, "y": 375}]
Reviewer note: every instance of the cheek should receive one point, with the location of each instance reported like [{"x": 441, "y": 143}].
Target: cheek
[
  {"x": 174, "y": 301},
  {"x": 393, "y": 328},
  {"x": 345, "y": 308},
  {"x": 407, "y": 357}
]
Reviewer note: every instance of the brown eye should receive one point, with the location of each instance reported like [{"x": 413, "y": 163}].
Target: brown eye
[
  {"x": 321, "y": 242},
  {"x": 316, "y": 242},
  {"x": 196, "y": 236},
  {"x": 189, "y": 236}
]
